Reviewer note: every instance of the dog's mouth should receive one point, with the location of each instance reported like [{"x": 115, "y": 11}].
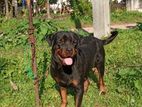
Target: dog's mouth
[
  {"x": 68, "y": 61},
  {"x": 66, "y": 58}
]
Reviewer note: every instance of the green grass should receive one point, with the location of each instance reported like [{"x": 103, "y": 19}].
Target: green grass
[
  {"x": 121, "y": 16},
  {"x": 123, "y": 66},
  {"x": 117, "y": 17}
]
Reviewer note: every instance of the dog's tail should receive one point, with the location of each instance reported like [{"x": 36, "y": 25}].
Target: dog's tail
[{"x": 110, "y": 39}]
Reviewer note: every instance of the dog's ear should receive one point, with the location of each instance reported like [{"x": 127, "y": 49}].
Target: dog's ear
[
  {"x": 77, "y": 38},
  {"x": 50, "y": 39},
  {"x": 80, "y": 40}
]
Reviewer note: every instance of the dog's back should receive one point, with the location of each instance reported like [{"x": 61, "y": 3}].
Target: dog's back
[{"x": 92, "y": 50}]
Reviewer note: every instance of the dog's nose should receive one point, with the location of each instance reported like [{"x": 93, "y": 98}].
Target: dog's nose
[{"x": 69, "y": 49}]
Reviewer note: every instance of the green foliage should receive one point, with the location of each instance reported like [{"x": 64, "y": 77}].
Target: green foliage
[
  {"x": 9, "y": 67},
  {"x": 128, "y": 81},
  {"x": 85, "y": 9},
  {"x": 82, "y": 10},
  {"x": 43, "y": 27},
  {"x": 41, "y": 2},
  {"x": 129, "y": 78},
  {"x": 14, "y": 35},
  {"x": 139, "y": 25},
  {"x": 15, "y": 32}
]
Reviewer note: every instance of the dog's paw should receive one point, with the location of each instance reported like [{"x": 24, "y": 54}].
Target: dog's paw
[
  {"x": 86, "y": 85},
  {"x": 102, "y": 90}
]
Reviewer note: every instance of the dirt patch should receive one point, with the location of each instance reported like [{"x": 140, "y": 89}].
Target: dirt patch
[{"x": 114, "y": 26}]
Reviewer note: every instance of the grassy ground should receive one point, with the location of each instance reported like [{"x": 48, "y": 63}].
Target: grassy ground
[
  {"x": 123, "y": 66},
  {"x": 121, "y": 17},
  {"x": 122, "y": 78}
]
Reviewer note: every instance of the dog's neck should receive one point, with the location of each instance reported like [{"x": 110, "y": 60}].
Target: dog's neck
[{"x": 67, "y": 69}]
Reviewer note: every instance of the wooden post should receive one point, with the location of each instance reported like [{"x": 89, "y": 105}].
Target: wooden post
[
  {"x": 48, "y": 9},
  {"x": 6, "y": 8},
  {"x": 15, "y": 6},
  {"x": 132, "y": 5},
  {"x": 33, "y": 49},
  {"x": 101, "y": 18}
]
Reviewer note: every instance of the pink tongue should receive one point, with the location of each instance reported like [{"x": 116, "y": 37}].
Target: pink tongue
[{"x": 68, "y": 61}]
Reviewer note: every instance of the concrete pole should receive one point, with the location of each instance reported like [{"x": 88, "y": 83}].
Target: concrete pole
[
  {"x": 132, "y": 5},
  {"x": 101, "y": 18}
]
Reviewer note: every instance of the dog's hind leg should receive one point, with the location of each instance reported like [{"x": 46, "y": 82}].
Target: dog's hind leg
[
  {"x": 86, "y": 84},
  {"x": 100, "y": 70}
]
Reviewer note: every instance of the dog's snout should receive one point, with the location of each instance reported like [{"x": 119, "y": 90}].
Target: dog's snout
[{"x": 69, "y": 49}]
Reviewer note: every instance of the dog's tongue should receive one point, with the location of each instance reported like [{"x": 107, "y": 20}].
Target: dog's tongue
[{"x": 68, "y": 61}]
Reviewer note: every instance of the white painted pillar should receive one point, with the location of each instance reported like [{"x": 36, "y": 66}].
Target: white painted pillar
[
  {"x": 132, "y": 5},
  {"x": 101, "y": 18}
]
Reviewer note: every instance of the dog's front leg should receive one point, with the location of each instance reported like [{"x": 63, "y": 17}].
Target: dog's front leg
[
  {"x": 79, "y": 95},
  {"x": 63, "y": 94}
]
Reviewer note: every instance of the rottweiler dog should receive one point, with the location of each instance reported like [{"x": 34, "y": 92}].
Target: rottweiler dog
[{"x": 72, "y": 58}]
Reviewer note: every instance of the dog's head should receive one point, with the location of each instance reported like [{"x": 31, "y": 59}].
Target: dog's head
[{"x": 64, "y": 46}]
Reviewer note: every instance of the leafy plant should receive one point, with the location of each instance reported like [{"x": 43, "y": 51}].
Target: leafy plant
[
  {"x": 17, "y": 34},
  {"x": 43, "y": 27},
  {"x": 82, "y": 11},
  {"x": 128, "y": 83},
  {"x": 139, "y": 25},
  {"x": 8, "y": 67},
  {"x": 13, "y": 34}
]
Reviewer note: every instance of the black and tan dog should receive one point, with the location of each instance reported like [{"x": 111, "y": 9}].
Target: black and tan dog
[{"x": 72, "y": 58}]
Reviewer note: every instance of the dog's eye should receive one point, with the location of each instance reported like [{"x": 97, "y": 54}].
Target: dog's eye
[
  {"x": 61, "y": 41},
  {"x": 74, "y": 42}
]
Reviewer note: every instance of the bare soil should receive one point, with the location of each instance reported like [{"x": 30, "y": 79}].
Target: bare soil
[{"x": 114, "y": 26}]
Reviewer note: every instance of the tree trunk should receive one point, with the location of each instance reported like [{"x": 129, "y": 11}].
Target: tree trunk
[
  {"x": 48, "y": 9},
  {"x": 15, "y": 8},
  {"x": 6, "y": 9}
]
